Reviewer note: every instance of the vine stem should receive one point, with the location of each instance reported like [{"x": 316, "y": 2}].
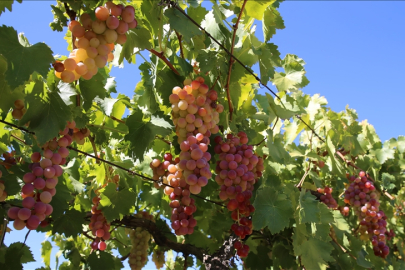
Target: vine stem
[
  {"x": 93, "y": 144},
  {"x": 231, "y": 60},
  {"x": 3, "y": 233},
  {"x": 181, "y": 46},
  {"x": 161, "y": 56},
  {"x": 304, "y": 176}
]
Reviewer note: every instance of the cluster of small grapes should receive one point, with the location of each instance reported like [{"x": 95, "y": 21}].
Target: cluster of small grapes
[
  {"x": 99, "y": 226},
  {"x": 237, "y": 171},
  {"x": 78, "y": 134},
  {"x": 183, "y": 206},
  {"x": 40, "y": 183},
  {"x": 3, "y": 193},
  {"x": 19, "y": 109},
  {"x": 361, "y": 195},
  {"x": 327, "y": 198},
  {"x": 95, "y": 41},
  {"x": 158, "y": 257},
  {"x": 138, "y": 255},
  {"x": 194, "y": 109},
  {"x": 160, "y": 169}
]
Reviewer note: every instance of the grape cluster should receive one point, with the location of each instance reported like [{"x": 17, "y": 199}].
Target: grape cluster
[
  {"x": 95, "y": 41},
  {"x": 99, "y": 226},
  {"x": 19, "y": 109},
  {"x": 160, "y": 169},
  {"x": 327, "y": 198},
  {"x": 241, "y": 249},
  {"x": 194, "y": 109},
  {"x": 362, "y": 196},
  {"x": 238, "y": 169},
  {"x": 3, "y": 193},
  {"x": 79, "y": 135},
  {"x": 40, "y": 183},
  {"x": 158, "y": 257},
  {"x": 138, "y": 255},
  {"x": 178, "y": 191}
]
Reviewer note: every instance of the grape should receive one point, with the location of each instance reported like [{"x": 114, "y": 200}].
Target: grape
[
  {"x": 78, "y": 31},
  {"x": 158, "y": 257},
  {"x": 81, "y": 68},
  {"x": 28, "y": 202},
  {"x": 19, "y": 224},
  {"x": 58, "y": 66},
  {"x": 98, "y": 27},
  {"x": 72, "y": 24},
  {"x": 122, "y": 28},
  {"x": 138, "y": 255},
  {"x": 110, "y": 35},
  {"x": 102, "y": 13},
  {"x": 112, "y": 22},
  {"x": 102, "y": 246},
  {"x": 24, "y": 213},
  {"x": 13, "y": 212},
  {"x": 46, "y": 197}
]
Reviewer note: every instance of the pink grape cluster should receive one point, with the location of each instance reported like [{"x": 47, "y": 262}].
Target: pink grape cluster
[
  {"x": 195, "y": 109},
  {"x": 160, "y": 169},
  {"x": 361, "y": 195},
  {"x": 3, "y": 193},
  {"x": 327, "y": 198},
  {"x": 40, "y": 183},
  {"x": 99, "y": 226},
  {"x": 238, "y": 169},
  {"x": 178, "y": 191},
  {"x": 95, "y": 41},
  {"x": 138, "y": 255}
]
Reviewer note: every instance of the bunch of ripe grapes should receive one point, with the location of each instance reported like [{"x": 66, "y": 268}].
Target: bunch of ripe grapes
[
  {"x": 364, "y": 199},
  {"x": 158, "y": 257},
  {"x": 40, "y": 183},
  {"x": 94, "y": 41},
  {"x": 327, "y": 198},
  {"x": 238, "y": 169},
  {"x": 19, "y": 109}
]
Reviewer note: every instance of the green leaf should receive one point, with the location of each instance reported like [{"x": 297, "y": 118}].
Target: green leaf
[
  {"x": 315, "y": 253},
  {"x": 60, "y": 202},
  {"x": 282, "y": 257},
  {"x": 92, "y": 88},
  {"x": 70, "y": 223},
  {"x": 15, "y": 255},
  {"x": 47, "y": 114},
  {"x": 387, "y": 181},
  {"x": 6, "y": 4},
  {"x": 137, "y": 39},
  {"x": 273, "y": 209},
  {"x": 141, "y": 133},
  {"x": 256, "y": 9},
  {"x": 101, "y": 260},
  {"x": 286, "y": 108},
  {"x": 259, "y": 260},
  {"x": 46, "y": 251},
  {"x": 276, "y": 147},
  {"x": 59, "y": 20},
  {"x": 383, "y": 154},
  {"x": 115, "y": 204},
  {"x": 271, "y": 21},
  {"x": 269, "y": 59},
  {"x": 23, "y": 60},
  {"x": 181, "y": 24},
  {"x": 308, "y": 211},
  {"x": 198, "y": 13}
]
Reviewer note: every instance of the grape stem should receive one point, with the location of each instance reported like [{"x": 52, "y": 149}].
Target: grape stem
[
  {"x": 304, "y": 176},
  {"x": 181, "y": 46},
  {"x": 25, "y": 239},
  {"x": 161, "y": 56},
  {"x": 93, "y": 144},
  {"x": 4, "y": 229},
  {"x": 231, "y": 60},
  {"x": 88, "y": 236}
]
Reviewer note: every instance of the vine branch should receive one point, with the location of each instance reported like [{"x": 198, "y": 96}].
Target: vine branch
[
  {"x": 161, "y": 56},
  {"x": 181, "y": 46},
  {"x": 231, "y": 60}
]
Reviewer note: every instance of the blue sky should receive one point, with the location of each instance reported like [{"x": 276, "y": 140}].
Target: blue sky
[{"x": 354, "y": 51}]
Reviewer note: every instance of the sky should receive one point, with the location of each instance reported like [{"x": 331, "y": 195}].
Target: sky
[{"x": 354, "y": 51}]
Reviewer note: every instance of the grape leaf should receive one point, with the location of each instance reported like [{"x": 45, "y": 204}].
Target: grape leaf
[
  {"x": 46, "y": 251},
  {"x": 141, "y": 133},
  {"x": 256, "y": 9},
  {"x": 47, "y": 114},
  {"x": 70, "y": 223},
  {"x": 276, "y": 147},
  {"x": 383, "y": 154},
  {"x": 23, "y": 60},
  {"x": 115, "y": 204},
  {"x": 166, "y": 80},
  {"x": 91, "y": 89},
  {"x": 308, "y": 211},
  {"x": 181, "y": 24},
  {"x": 282, "y": 257},
  {"x": 198, "y": 13},
  {"x": 137, "y": 39},
  {"x": 269, "y": 59},
  {"x": 59, "y": 20},
  {"x": 6, "y": 4},
  {"x": 271, "y": 21},
  {"x": 101, "y": 260},
  {"x": 314, "y": 253},
  {"x": 272, "y": 210},
  {"x": 60, "y": 202},
  {"x": 259, "y": 260},
  {"x": 15, "y": 255},
  {"x": 287, "y": 108}
]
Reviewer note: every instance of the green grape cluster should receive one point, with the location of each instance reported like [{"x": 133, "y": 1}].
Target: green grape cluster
[
  {"x": 138, "y": 256},
  {"x": 158, "y": 257}
]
